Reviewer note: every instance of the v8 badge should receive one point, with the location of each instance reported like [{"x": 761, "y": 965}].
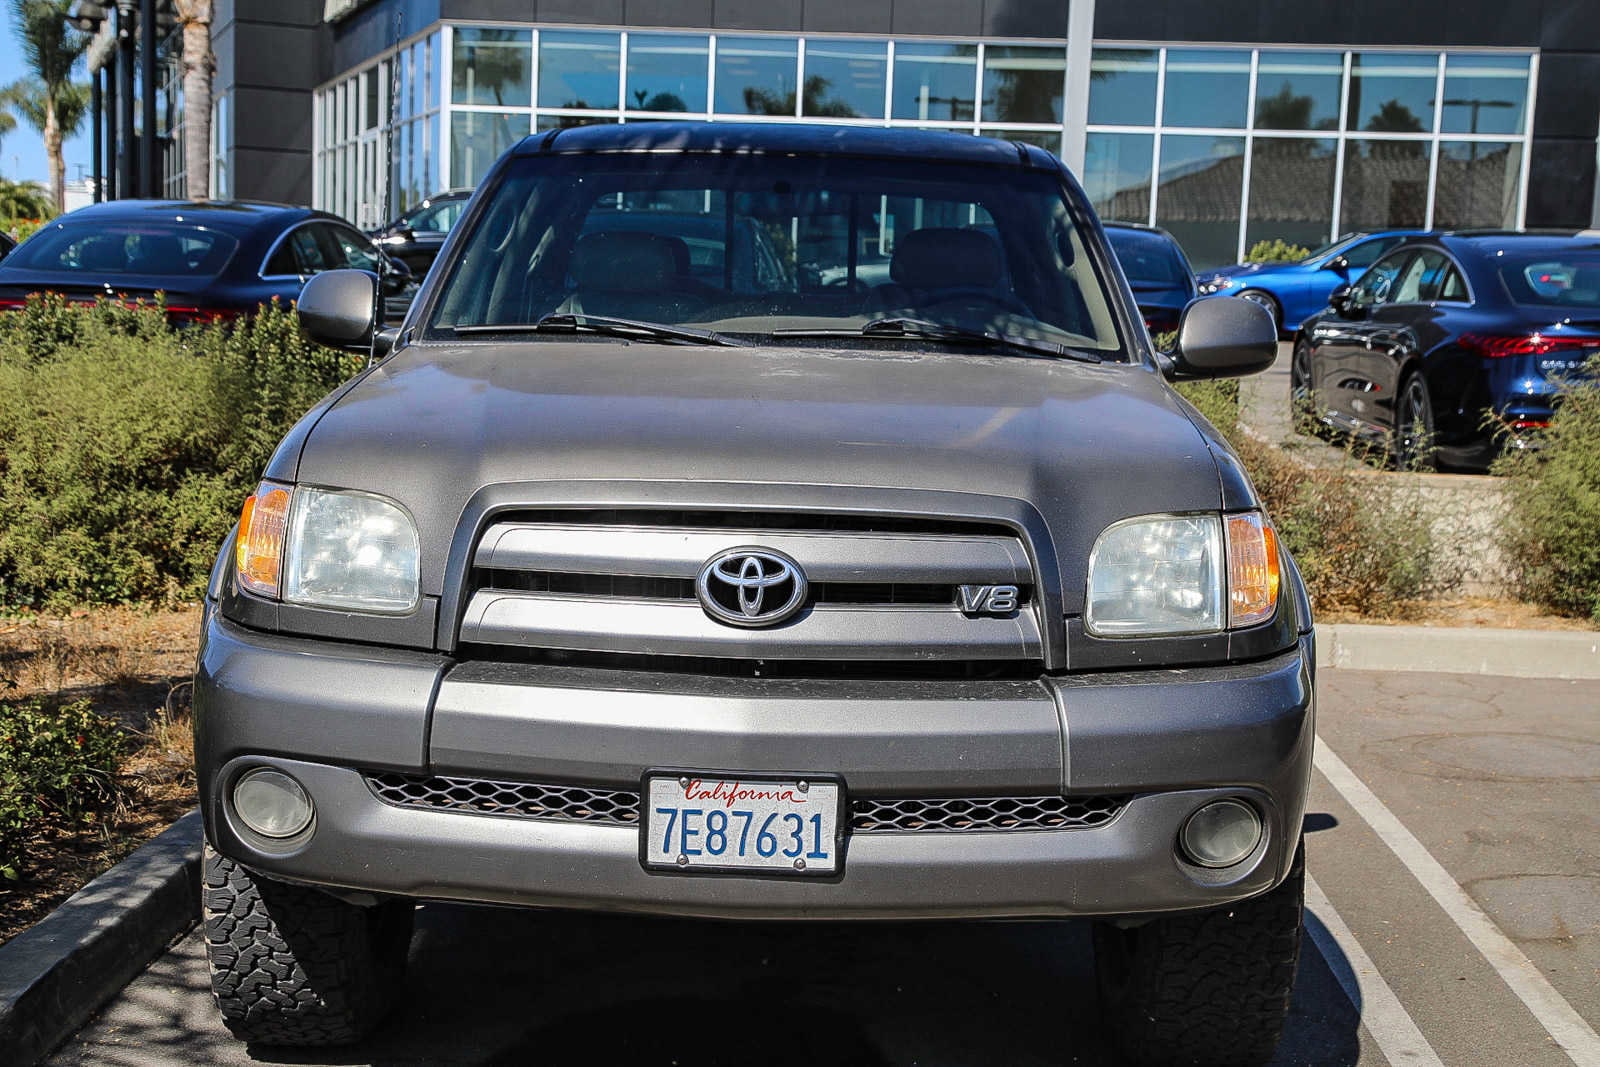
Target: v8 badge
[{"x": 988, "y": 599}]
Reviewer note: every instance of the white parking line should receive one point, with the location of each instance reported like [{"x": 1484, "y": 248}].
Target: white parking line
[
  {"x": 1385, "y": 1018},
  {"x": 1568, "y": 1029}
]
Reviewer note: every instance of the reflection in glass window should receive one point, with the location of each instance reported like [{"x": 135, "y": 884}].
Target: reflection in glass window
[
  {"x": 1122, "y": 87},
  {"x": 1198, "y": 200},
  {"x": 1049, "y": 140},
  {"x": 1392, "y": 92},
  {"x": 1116, "y": 174},
  {"x": 1478, "y": 183},
  {"x": 756, "y": 75},
  {"x": 479, "y": 138},
  {"x": 489, "y": 66},
  {"x": 935, "y": 81},
  {"x": 1291, "y": 191},
  {"x": 845, "y": 79},
  {"x": 1298, "y": 90},
  {"x": 667, "y": 72},
  {"x": 1484, "y": 93},
  {"x": 1385, "y": 185},
  {"x": 1022, "y": 84},
  {"x": 567, "y": 122},
  {"x": 1207, "y": 87},
  {"x": 578, "y": 69}
]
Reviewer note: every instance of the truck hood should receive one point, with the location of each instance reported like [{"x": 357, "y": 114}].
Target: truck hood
[{"x": 1083, "y": 444}]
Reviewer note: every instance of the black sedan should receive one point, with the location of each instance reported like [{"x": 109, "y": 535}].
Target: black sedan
[
  {"x": 1157, "y": 270},
  {"x": 1452, "y": 346},
  {"x": 213, "y": 261},
  {"x": 416, "y": 236}
]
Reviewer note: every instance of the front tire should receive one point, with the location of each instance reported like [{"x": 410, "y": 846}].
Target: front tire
[
  {"x": 1413, "y": 427},
  {"x": 1304, "y": 410},
  {"x": 291, "y": 965},
  {"x": 1210, "y": 989}
]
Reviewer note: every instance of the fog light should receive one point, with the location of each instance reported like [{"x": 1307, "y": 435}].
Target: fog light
[
  {"x": 271, "y": 803},
  {"x": 1221, "y": 834}
]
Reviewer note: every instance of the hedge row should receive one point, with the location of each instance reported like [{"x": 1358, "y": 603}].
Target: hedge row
[{"x": 127, "y": 447}]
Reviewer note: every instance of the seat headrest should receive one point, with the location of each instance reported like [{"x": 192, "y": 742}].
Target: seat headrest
[
  {"x": 628, "y": 262},
  {"x": 943, "y": 258}
]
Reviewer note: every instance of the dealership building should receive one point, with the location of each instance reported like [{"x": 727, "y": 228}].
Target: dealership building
[{"x": 1227, "y": 123}]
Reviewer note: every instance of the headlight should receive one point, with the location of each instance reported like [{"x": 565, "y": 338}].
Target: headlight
[
  {"x": 1182, "y": 574},
  {"x": 348, "y": 550}
]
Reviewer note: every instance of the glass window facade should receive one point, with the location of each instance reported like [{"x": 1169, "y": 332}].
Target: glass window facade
[
  {"x": 1225, "y": 146},
  {"x": 1228, "y": 147}
]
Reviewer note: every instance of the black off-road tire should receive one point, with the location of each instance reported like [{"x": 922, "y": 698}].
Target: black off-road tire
[
  {"x": 292, "y": 965},
  {"x": 1210, "y": 989}
]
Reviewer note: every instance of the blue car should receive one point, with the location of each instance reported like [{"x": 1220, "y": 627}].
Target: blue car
[
  {"x": 1445, "y": 330},
  {"x": 1293, "y": 292}
]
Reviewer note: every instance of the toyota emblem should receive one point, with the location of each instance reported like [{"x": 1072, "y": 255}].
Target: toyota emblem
[{"x": 751, "y": 587}]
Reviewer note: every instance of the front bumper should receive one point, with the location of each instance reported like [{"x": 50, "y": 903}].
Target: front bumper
[{"x": 332, "y": 714}]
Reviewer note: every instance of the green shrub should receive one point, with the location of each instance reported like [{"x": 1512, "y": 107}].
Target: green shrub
[
  {"x": 1553, "y": 531},
  {"x": 126, "y": 446},
  {"x": 1216, "y": 399},
  {"x": 56, "y": 767},
  {"x": 1276, "y": 251}
]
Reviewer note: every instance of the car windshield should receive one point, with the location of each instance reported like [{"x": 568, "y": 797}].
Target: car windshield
[
  {"x": 96, "y": 248},
  {"x": 1147, "y": 258},
  {"x": 751, "y": 244},
  {"x": 1566, "y": 280}
]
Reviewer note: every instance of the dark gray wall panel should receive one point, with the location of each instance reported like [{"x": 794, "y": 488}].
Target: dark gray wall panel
[
  {"x": 276, "y": 58},
  {"x": 696, "y": 13},
  {"x": 279, "y": 176},
  {"x": 599, "y": 12},
  {"x": 757, "y": 14},
  {"x": 848, "y": 16},
  {"x": 1568, "y": 102},
  {"x": 946, "y": 18},
  {"x": 1027, "y": 18},
  {"x": 1561, "y": 177}
]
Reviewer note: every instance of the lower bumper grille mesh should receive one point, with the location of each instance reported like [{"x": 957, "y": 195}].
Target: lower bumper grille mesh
[{"x": 620, "y": 807}]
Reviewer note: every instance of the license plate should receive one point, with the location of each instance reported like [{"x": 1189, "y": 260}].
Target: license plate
[{"x": 727, "y": 823}]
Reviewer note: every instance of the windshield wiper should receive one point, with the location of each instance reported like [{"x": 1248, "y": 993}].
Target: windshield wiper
[
  {"x": 634, "y": 329},
  {"x": 897, "y": 326}
]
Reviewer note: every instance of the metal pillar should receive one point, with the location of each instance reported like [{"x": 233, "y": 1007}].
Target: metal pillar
[
  {"x": 97, "y": 129},
  {"x": 1075, "y": 106},
  {"x": 149, "y": 164},
  {"x": 127, "y": 158},
  {"x": 110, "y": 71}
]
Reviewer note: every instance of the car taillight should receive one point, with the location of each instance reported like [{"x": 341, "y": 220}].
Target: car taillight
[
  {"x": 1496, "y": 346},
  {"x": 183, "y": 315},
  {"x": 12, "y": 304}
]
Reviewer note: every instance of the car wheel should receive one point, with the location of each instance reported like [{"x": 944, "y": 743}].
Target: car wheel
[
  {"x": 1413, "y": 432},
  {"x": 1210, "y": 988},
  {"x": 1268, "y": 301},
  {"x": 1304, "y": 409},
  {"x": 291, "y": 965}
]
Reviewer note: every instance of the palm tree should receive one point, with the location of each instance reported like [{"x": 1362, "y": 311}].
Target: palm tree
[
  {"x": 8, "y": 122},
  {"x": 49, "y": 101},
  {"x": 199, "y": 64},
  {"x": 21, "y": 200}
]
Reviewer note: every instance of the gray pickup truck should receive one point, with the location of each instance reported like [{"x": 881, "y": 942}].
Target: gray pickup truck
[{"x": 665, "y": 561}]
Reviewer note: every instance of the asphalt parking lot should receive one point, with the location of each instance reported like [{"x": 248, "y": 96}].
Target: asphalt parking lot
[{"x": 1453, "y": 918}]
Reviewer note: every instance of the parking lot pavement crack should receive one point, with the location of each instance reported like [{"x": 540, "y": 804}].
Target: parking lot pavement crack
[{"x": 1560, "y": 1020}]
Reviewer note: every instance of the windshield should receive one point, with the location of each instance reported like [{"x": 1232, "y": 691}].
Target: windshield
[
  {"x": 1569, "y": 280},
  {"x": 750, "y": 244},
  {"x": 1147, "y": 258},
  {"x": 98, "y": 248}
]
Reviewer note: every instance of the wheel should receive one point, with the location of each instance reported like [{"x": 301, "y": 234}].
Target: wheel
[
  {"x": 291, "y": 965},
  {"x": 1304, "y": 411},
  {"x": 1210, "y": 988},
  {"x": 1268, "y": 301},
  {"x": 1413, "y": 427}
]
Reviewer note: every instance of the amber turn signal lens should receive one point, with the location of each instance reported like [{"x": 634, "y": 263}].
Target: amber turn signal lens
[
  {"x": 1253, "y": 577},
  {"x": 258, "y": 555}
]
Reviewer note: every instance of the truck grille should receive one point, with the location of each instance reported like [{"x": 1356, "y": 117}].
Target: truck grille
[
  {"x": 623, "y": 583},
  {"x": 619, "y": 807}
]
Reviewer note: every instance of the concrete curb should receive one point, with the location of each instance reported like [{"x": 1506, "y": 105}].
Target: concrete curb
[
  {"x": 1563, "y": 654},
  {"x": 57, "y": 974}
]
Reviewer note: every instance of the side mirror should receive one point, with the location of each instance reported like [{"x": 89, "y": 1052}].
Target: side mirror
[
  {"x": 1223, "y": 339},
  {"x": 340, "y": 308},
  {"x": 396, "y": 274},
  {"x": 1338, "y": 264},
  {"x": 1341, "y": 300}
]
